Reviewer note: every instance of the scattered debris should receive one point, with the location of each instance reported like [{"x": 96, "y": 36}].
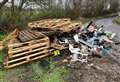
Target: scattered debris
[{"x": 51, "y": 36}]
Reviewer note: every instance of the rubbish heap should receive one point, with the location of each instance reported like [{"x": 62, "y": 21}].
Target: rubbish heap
[{"x": 56, "y": 36}]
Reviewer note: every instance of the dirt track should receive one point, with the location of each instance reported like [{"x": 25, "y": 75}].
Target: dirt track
[
  {"x": 105, "y": 69},
  {"x": 109, "y": 24}
]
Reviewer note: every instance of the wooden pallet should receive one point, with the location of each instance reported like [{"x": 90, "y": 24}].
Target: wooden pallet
[
  {"x": 64, "y": 25},
  {"x": 28, "y": 35},
  {"x": 24, "y": 52}
]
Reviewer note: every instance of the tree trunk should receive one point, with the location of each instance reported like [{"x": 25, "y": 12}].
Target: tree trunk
[
  {"x": 12, "y": 8},
  {"x": 21, "y": 4}
]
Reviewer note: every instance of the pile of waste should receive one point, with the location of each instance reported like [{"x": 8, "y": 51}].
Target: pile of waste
[
  {"x": 59, "y": 36},
  {"x": 83, "y": 42}
]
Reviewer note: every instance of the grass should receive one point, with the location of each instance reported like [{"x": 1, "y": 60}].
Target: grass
[
  {"x": 53, "y": 74},
  {"x": 117, "y": 20},
  {"x": 2, "y": 72},
  {"x": 2, "y": 75}
]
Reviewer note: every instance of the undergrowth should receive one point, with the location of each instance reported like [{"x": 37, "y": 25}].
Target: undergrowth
[
  {"x": 117, "y": 20},
  {"x": 52, "y": 74}
]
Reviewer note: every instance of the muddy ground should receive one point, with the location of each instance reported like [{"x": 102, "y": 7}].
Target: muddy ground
[{"x": 104, "y": 69}]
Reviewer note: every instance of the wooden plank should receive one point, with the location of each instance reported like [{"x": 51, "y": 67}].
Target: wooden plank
[
  {"x": 17, "y": 64},
  {"x": 8, "y": 65},
  {"x": 28, "y": 37},
  {"x": 39, "y": 53},
  {"x": 22, "y": 37},
  {"x": 23, "y": 53},
  {"x": 26, "y": 48},
  {"x": 38, "y": 57},
  {"x": 30, "y": 47},
  {"x": 39, "y": 35},
  {"x": 10, "y": 48},
  {"x": 40, "y": 44},
  {"x": 33, "y": 41},
  {"x": 15, "y": 60},
  {"x": 31, "y": 34}
]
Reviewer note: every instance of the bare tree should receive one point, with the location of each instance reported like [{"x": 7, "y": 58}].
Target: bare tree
[
  {"x": 3, "y": 3},
  {"x": 12, "y": 7}
]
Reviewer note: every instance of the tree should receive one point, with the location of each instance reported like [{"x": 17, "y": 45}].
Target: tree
[
  {"x": 12, "y": 7},
  {"x": 21, "y": 4},
  {"x": 3, "y": 3}
]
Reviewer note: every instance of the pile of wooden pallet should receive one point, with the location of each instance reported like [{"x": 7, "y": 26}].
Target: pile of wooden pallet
[
  {"x": 25, "y": 47},
  {"x": 64, "y": 25},
  {"x": 29, "y": 45}
]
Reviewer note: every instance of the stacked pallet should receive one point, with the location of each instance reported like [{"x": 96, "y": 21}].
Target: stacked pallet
[
  {"x": 28, "y": 46},
  {"x": 64, "y": 25}
]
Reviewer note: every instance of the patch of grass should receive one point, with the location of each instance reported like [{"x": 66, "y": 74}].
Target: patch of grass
[
  {"x": 2, "y": 52},
  {"x": 84, "y": 20},
  {"x": 52, "y": 74},
  {"x": 2, "y": 75},
  {"x": 117, "y": 20},
  {"x": 1, "y": 37}
]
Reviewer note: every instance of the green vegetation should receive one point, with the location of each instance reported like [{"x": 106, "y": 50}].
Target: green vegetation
[
  {"x": 1, "y": 37},
  {"x": 117, "y": 20},
  {"x": 2, "y": 75},
  {"x": 19, "y": 19},
  {"x": 53, "y": 74},
  {"x": 34, "y": 72}
]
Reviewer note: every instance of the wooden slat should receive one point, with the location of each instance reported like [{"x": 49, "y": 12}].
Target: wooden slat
[
  {"x": 42, "y": 52},
  {"x": 23, "y": 53},
  {"x": 31, "y": 34},
  {"x": 22, "y": 37},
  {"x": 40, "y": 35},
  {"x": 15, "y": 60},
  {"x": 26, "y": 48},
  {"x": 41, "y": 44},
  {"x": 38, "y": 57},
  {"x": 28, "y": 36},
  {"x": 16, "y": 64},
  {"x": 33, "y": 41}
]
